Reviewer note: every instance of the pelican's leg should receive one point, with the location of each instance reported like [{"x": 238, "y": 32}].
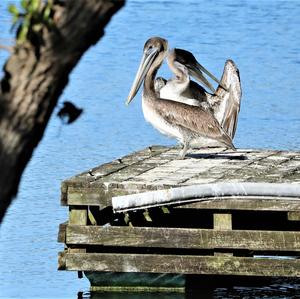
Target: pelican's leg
[
  {"x": 182, "y": 153},
  {"x": 180, "y": 144}
]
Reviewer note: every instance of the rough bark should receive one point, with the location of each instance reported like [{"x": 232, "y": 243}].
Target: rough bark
[{"x": 34, "y": 78}]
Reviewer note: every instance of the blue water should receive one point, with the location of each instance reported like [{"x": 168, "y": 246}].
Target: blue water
[{"x": 262, "y": 37}]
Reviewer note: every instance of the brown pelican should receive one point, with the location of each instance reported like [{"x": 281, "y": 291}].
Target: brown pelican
[
  {"x": 224, "y": 103},
  {"x": 174, "y": 119}
]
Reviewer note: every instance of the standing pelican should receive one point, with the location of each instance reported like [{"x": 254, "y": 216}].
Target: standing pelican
[
  {"x": 174, "y": 119},
  {"x": 224, "y": 103}
]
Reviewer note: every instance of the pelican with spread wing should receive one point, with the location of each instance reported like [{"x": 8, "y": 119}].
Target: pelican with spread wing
[
  {"x": 178, "y": 120},
  {"x": 224, "y": 102}
]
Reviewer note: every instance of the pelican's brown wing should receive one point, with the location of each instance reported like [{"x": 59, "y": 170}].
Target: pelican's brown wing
[
  {"x": 231, "y": 79},
  {"x": 195, "y": 119},
  {"x": 230, "y": 119}
]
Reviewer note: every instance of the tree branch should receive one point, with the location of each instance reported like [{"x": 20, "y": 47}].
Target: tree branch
[{"x": 34, "y": 77}]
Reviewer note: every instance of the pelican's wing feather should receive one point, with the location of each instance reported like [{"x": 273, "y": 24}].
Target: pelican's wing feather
[
  {"x": 197, "y": 92},
  {"x": 199, "y": 121},
  {"x": 231, "y": 110},
  {"x": 230, "y": 119}
]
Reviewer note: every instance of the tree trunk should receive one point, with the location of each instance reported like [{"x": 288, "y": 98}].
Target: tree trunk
[{"x": 34, "y": 77}]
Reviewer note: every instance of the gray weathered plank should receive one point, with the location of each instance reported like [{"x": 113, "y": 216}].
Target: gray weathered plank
[
  {"x": 87, "y": 196},
  {"x": 185, "y": 264},
  {"x": 86, "y": 178},
  {"x": 96, "y": 197},
  {"x": 183, "y": 238},
  {"x": 262, "y": 203}
]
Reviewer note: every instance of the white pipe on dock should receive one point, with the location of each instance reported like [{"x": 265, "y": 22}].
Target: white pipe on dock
[{"x": 201, "y": 192}]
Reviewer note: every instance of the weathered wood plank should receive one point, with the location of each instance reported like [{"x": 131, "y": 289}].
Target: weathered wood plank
[
  {"x": 96, "y": 197},
  {"x": 61, "y": 238},
  {"x": 86, "y": 178},
  {"x": 245, "y": 203},
  {"x": 184, "y": 264},
  {"x": 78, "y": 215},
  {"x": 123, "y": 162},
  {"x": 294, "y": 216},
  {"x": 64, "y": 193},
  {"x": 76, "y": 250},
  {"x": 61, "y": 260},
  {"x": 222, "y": 221},
  {"x": 183, "y": 238},
  {"x": 100, "y": 196}
]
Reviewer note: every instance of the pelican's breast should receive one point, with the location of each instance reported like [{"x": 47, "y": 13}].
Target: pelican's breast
[{"x": 158, "y": 122}]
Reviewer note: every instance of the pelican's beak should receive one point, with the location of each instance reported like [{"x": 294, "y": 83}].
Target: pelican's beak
[
  {"x": 195, "y": 70},
  {"x": 145, "y": 64}
]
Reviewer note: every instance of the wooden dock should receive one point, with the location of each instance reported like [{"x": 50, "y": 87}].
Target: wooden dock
[{"x": 221, "y": 235}]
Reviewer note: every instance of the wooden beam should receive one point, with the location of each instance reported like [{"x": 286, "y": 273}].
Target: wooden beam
[
  {"x": 61, "y": 238},
  {"x": 63, "y": 194},
  {"x": 76, "y": 250},
  {"x": 222, "y": 222},
  {"x": 78, "y": 215},
  {"x": 86, "y": 196},
  {"x": 183, "y": 264},
  {"x": 294, "y": 216},
  {"x": 183, "y": 238},
  {"x": 97, "y": 197},
  {"x": 245, "y": 203},
  {"x": 94, "y": 197},
  {"x": 62, "y": 260}
]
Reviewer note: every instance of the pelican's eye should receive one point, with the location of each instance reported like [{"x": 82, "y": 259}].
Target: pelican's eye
[{"x": 150, "y": 50}]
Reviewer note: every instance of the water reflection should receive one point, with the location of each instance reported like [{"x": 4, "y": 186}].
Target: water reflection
[
  {"x": 248, "y": 288},
  {"x": 276, "y": 292}
]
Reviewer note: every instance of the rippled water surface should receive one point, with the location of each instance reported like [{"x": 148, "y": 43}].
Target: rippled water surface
[{"x": 262, "y": 37}]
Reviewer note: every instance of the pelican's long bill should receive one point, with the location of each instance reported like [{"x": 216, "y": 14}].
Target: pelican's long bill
[
  {"x": 145, "y": 64},
  {"x": 195, "y": 70}
]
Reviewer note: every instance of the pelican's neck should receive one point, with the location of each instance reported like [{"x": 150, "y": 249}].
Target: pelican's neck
[
  {"x": 151, "y": 74},
  {"x": 176, "y": 71}
]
